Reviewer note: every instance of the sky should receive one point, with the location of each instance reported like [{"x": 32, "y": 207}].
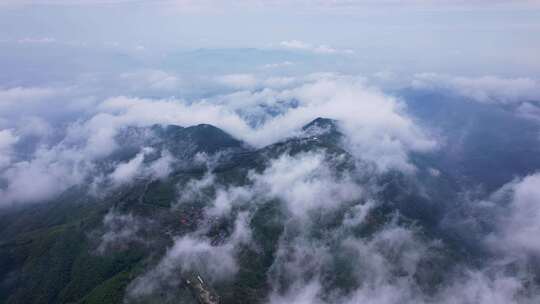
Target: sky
[{"x": 459, "y": 37}]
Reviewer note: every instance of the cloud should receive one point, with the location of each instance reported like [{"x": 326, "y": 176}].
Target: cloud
[
  {"x": 306, "y": 183},
  {"x": 24, "y": 95},
  {"x": 278, "y": 65},
  {"x": 121, "y": 230},
  {"x": 34, "y": 126},
  {"x": 60, "y": 143},
  {"x": 478, "y": 287},
  {"x": 377, "y": 262},
  {"x": 487, "y": 89},
  {"x": 318, "y": 49},
  {"x": 519, "y": 95},
  {"x": 529, "y": 110},
  {"x": 238, "y": 81},
  {"x": 372, "y": 263},
  {"x": 519, "y": 223},
  {"x": 37, "y": 40},
  {"x": 7, "y": 140},
  {"x": 299, "y": 294},
  {"x": 163, "y": 166},
  {"x": 152, "y": 79},
  {"x": 49, "y": 104},
  {"x": 43, "y": 177},
  {"x": 72, "y": 132},
  {"x": 250, "y": 82},
  {"x": 504, "y": 227},
  {"x": 301, "y": 270},
  {"x": 126, "y": 172},
  {"x": 377, "y": 125},
  {"x": 134, "y": 168},
  {"x": 194, "y": 253},
  {"x": 39, "y": 173},
  {"x": 226, "y": 198},
  {"x": 386, "y": 265}
]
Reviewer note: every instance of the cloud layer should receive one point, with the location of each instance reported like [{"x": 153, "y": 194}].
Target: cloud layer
[{"x": 377, "y": 126}]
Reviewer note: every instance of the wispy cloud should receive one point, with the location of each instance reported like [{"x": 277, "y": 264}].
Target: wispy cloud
[
  {"x": 36, "y": 40},
  {"x": 483, "y": 89},
  {"x": 318, "y": 49},
  {"x": 278, "y": 65}
]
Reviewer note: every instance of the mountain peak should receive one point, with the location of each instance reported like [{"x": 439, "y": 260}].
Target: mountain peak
[
  {"x": 206, "y": 137},
  {"x": 322, "y": 127},
  {"x": 321, "y": 122}
]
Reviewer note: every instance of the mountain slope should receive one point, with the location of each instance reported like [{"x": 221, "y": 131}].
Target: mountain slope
[{"x": 83, "y": 248}]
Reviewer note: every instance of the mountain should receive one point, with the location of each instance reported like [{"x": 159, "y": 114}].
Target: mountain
[{"x": 100, "y": 248}]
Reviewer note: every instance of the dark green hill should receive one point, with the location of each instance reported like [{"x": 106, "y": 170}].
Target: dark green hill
[{"x": 53, "y": 252}]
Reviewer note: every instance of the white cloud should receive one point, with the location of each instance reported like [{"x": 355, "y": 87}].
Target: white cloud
[
  {"x": 7, "y": 140},
  {"x": 52, "y": 166},
  {"x": 24, "y": 95},
  {"x": 519, "y": 225},
  {"x": 299, "y": 294},
  {"x": 377, "y": 126},
  {"x": 238, "y": 81},
  {"x": 162, "y": 167},
  {"x": 43, "y": 177},
  {"x": 302, "y": 261},
  {"x": 120, "y": 231},
  {"x": 34, "y": 126},
  {"x": 152, "y": 79},
  {"x": 251, "y": 82},
  {"x": 479, "y": 288},
  {"x": 306, "y": 183},
  {"x": 319, "y": 49},
  {"x": 278, "y": 65},
  {"x": 529, "y": 110},
  {"x": 37, "y": 40},
  {"x": 50, "y": 104},
  {"x": 483, "y": 89},
  {"x": 126, "y": 172},
  {"x": 295, "y": 44},
  {"x": 195, "y": 253},
  {"x": 394, "y": 249},
  {"x": 227, "y": 198}
]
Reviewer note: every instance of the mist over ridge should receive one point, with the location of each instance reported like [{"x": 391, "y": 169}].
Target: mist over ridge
[{"x": 269, "y": 152}]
